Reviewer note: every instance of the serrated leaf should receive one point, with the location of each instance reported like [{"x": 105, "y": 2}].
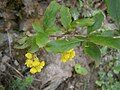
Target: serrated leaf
[
  {"x": 42, "y": 39},
  {"x": 108, "y": 33},
  {"x": 116, "y": 69},
  {"x": 37, "y": 27},
  {"x": 59, "y": 46},
  {"x": 33, "y": 46},
  {"x": 98, "y": 18},
  {"x": 115, "y": 86},
  {"x": 23, "y": 45},
  {"x": 28, "y": 81},
  {"x": 50, "y": 14},
  {"x": 93, "y": 51},
  {"x": 112, "y": 42},
  {"x": 74, "y": 13},
  {"x": 83, "y": 22},
  {"x": 65, "y": 17},
  {"x": 99, "y": 83},
  {"x": 114, "y": 9},
  {"x": 80, "y": 70},
  {"x": 52, "y": 30},
  {"x": 22, "y": 40}
]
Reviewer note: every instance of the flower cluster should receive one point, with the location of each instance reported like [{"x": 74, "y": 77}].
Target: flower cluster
[
  {"x": 34, "y": 63},
  {"x": 68, "y": 55}
]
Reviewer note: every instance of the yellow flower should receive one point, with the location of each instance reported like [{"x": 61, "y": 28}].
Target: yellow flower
[
  {"x": 70, "y": 50},
  {"x": 36, "y": 58},
  {"x": 65, "y": 57},
  {"x": 72, "y": 54},
  {"x": 33, "y": 70},
  {"x": 38, "y": 68},
  {"x": 68, "y": 55},
  {"x": 35, "y": 63},
  {"x": 29, "y": 63},
  {"x": 29, "y": 55},
  {"x": 42, "y": 63}
]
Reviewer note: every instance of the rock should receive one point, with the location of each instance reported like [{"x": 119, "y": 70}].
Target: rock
[
  {"x": 2, "y": 67},
  {"x": 32, "y": 6},
  {"x": 8, "y": 14},
  {"x": 5, "y": 58},
  {"x": 55, "y": 72},
  {"x": 109, "y": 26},
  {"x": 16, "y": 63},
  {"x": 28, "y": 6},
  {"x": 26, "y": 24},
  {"x": 3, "y": 4}
]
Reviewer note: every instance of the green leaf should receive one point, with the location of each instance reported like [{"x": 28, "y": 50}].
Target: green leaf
[
  {"x": 52, "y": 30},
  {"x": 83, "y": 22},
  {"x": 74, "y": 13},
  {"x": 33, "y": 46},
  {"x": 42, "y": 39},
  {"x": 22, "y": 40},
  {"x": 114, "y": 9},
  {"x": 23, "y": 45},
  {"x": 59, "y": 46},
  {"x": 93, "y": 51},
  {"x": 112, "y": 42},
  {"x": 115, "y": 86},
  {"x": 37, "y": 27},
  {"x": 99, "y": 83},
  {"x": 107, "y": 2},
  {"x": 21, "y": 84},
  {"x": 28, "y": 81},
  {"x": 80, "y": 70},
  {"x": 65, "y": 17},
  {"x": 50, "y": 14},
  {"x": 116, "y": 69},
  {"x": 99, "y": 17},
  {"x": 108, "y": 33}
]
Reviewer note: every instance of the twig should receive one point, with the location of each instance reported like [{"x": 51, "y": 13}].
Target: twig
[{"x": 14, "y": 69}]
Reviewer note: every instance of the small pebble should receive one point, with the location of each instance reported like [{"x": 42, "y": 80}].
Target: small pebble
[
  {"x": 5, "y": 58},
  {"x": 16, "y": 63},
  {"x": 2, "y": 67}
]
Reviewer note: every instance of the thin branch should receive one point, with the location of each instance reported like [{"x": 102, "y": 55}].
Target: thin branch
[{"x": 14, "y": 69}]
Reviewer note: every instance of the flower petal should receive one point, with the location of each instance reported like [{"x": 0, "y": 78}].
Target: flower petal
[{"x": 29, "y": 55}]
